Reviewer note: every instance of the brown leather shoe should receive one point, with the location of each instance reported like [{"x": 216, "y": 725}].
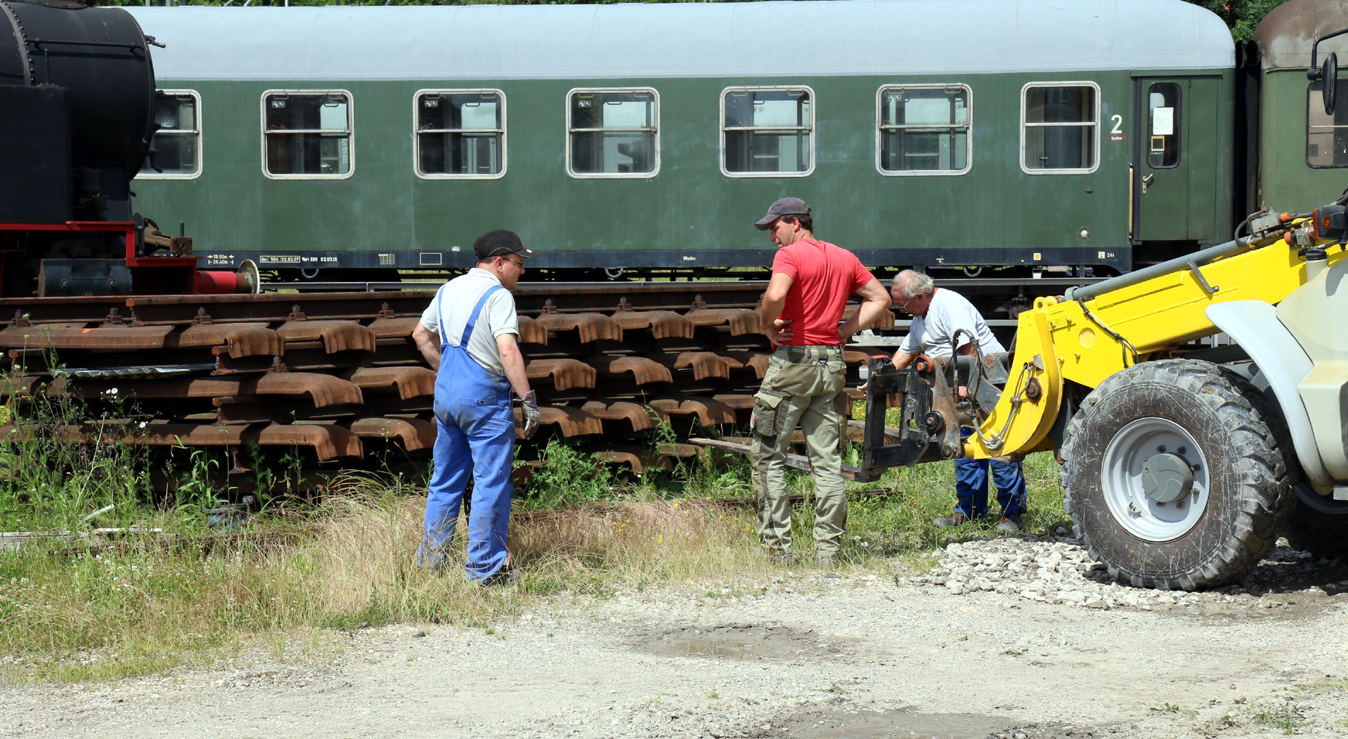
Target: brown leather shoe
[
  {"x": 1010, "y": 525},
  {"x": 946, "y": 522}
]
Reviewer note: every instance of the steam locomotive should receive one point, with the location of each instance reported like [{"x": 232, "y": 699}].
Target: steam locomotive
[{"x": 77, "y": 98}]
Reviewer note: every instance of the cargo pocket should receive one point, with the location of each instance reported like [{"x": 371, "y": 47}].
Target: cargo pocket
[
  {"x": 837, "y": 376},
  {"x": 768, "y": 411}
]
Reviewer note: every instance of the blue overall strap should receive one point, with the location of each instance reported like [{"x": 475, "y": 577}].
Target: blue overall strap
[{"x": 472, "y": 320}]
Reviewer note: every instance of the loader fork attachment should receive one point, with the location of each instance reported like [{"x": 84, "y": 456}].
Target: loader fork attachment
[{"x": 928, "y": 428}]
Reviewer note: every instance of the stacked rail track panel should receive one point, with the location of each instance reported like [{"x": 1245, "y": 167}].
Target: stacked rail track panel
[{"x": 339, "y": 376}]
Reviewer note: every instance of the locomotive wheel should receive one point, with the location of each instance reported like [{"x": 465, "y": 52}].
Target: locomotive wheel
[
  {"x": 1175, "y": 476},
  {"x": 1319, "y": 525}
]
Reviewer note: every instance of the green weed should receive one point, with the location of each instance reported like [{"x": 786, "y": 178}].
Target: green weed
[
  {"x": 49, "y": 483},
  {"x": 568, "y": 476},
  {"x": 1285, "y": 717}
]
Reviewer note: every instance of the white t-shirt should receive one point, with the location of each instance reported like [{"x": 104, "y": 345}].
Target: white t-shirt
[
  {"x": 949, "y": 311},
  {"x": 454, "y": 303}
]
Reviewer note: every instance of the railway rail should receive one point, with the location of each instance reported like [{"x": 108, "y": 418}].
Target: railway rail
[{"x": 338, "y": 376}]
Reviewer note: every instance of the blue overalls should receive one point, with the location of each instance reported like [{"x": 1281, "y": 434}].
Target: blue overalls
[{"x": 477, "y": 433}]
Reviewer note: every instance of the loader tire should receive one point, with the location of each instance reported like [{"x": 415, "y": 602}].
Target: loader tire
[
  {"x": 1211, "y": 421},
  {"x": 1319, "y": 525}
]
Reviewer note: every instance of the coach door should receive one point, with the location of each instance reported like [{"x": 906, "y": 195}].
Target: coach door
[
  {"x": 1174, "y": 158},
  {"x": 1160, "y": 181}
]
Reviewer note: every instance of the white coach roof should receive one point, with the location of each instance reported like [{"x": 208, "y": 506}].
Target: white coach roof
[{"x": 639, "y": 41}]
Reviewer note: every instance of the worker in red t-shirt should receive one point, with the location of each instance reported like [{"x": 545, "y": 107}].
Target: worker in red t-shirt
[{"x": 802, "y": 309}]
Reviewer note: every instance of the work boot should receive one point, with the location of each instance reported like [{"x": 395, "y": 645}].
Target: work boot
[
  {"x": 498, "y": 579},
  {"x": 954, "y": 519},
  {"x": 1010, "y": 525},
  {"x": 826, "y": 561}
]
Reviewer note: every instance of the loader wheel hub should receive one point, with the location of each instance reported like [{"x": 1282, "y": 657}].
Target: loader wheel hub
[
  {"x": 1155, "y": 479},
  {"x": 1167, "y": 478}
]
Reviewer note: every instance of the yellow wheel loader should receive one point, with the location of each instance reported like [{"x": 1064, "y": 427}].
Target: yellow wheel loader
[{"x": 1181, "y": 465}]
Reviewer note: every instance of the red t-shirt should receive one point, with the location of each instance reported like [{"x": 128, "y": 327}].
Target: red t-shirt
[{"x": 822, "y": 278}]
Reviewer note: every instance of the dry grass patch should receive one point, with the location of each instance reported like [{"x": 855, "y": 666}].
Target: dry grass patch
[{"x": 641, "y": 542}]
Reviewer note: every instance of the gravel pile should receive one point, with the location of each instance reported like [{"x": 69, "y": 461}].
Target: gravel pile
[{"x": 1057, "y": 570}]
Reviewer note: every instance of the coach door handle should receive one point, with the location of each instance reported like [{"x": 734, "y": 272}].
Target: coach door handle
[{"x": 1146, "y": 181}]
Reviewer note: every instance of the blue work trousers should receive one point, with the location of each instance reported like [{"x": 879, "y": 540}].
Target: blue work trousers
[{"x": 971, "y": 486}]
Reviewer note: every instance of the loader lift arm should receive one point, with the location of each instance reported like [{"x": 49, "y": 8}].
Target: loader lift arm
[{"x": 1091, "y": 334}]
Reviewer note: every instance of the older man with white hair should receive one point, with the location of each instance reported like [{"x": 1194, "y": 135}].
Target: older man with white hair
[{"x": 938, "y": 317}]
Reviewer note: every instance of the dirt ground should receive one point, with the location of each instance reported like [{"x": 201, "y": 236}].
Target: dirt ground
[{"x": 863, "y": 655}]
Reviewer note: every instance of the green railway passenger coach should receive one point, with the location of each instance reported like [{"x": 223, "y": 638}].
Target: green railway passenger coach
[{"x": 342, "y": 141}]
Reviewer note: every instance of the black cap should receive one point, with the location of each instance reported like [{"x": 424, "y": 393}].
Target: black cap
[
  {"x": 499, "y": 244},
  {"x": 783, "y": 207}
]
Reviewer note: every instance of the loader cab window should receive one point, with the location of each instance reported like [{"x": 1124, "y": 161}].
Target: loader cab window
[
  {"x": 613, "y": 133},
  {"x": 923, "y": 130},
  {"x": 460, "y": 134},
  {"x": 1326, "y": 136},
  {"x": 1059, "y": 127},
  {"x": 1163, "y": 125},
  {"x": 767, "y": 131},
  {"x": 175, "y": 147},
  {"x": 306, "y": 135}
]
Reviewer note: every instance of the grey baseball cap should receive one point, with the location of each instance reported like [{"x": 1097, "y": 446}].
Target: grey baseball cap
[{"x": 783, "y": 207}]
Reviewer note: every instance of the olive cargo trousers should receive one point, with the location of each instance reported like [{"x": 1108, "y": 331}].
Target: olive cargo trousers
[{"x": 803, "y": 385}]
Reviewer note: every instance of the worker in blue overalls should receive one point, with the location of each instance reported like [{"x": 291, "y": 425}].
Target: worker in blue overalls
[{"x": 469, "y": 335}]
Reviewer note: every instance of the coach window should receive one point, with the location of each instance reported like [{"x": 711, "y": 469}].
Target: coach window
[
  {"x": 923, "y": 130},
  {"x": 1326, "y": 135},
  {"x": 175, "y": 148},
  {"x": 1163, "y": 120},
  {"x": 767, "y": 131},
  {"x": 613, "y": 133},
  {"x": 307, "y": 134},
  {"x": 460, "y": 134},
  {"x": 1059, "y": 131}
]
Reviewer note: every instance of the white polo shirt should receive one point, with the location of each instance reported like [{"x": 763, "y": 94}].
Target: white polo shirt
[
  {"x": 949, "y": 311},
  {"x": 454, "y": 303}
]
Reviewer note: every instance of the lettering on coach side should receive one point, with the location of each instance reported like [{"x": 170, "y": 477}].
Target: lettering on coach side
[{"x": 278, "y": 259}]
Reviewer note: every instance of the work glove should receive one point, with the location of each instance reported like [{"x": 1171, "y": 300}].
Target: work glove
[{"x": 532, "y": 416}]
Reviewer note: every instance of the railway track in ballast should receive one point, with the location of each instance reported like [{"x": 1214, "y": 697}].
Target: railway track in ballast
[{"x": 337, "y": 376}]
